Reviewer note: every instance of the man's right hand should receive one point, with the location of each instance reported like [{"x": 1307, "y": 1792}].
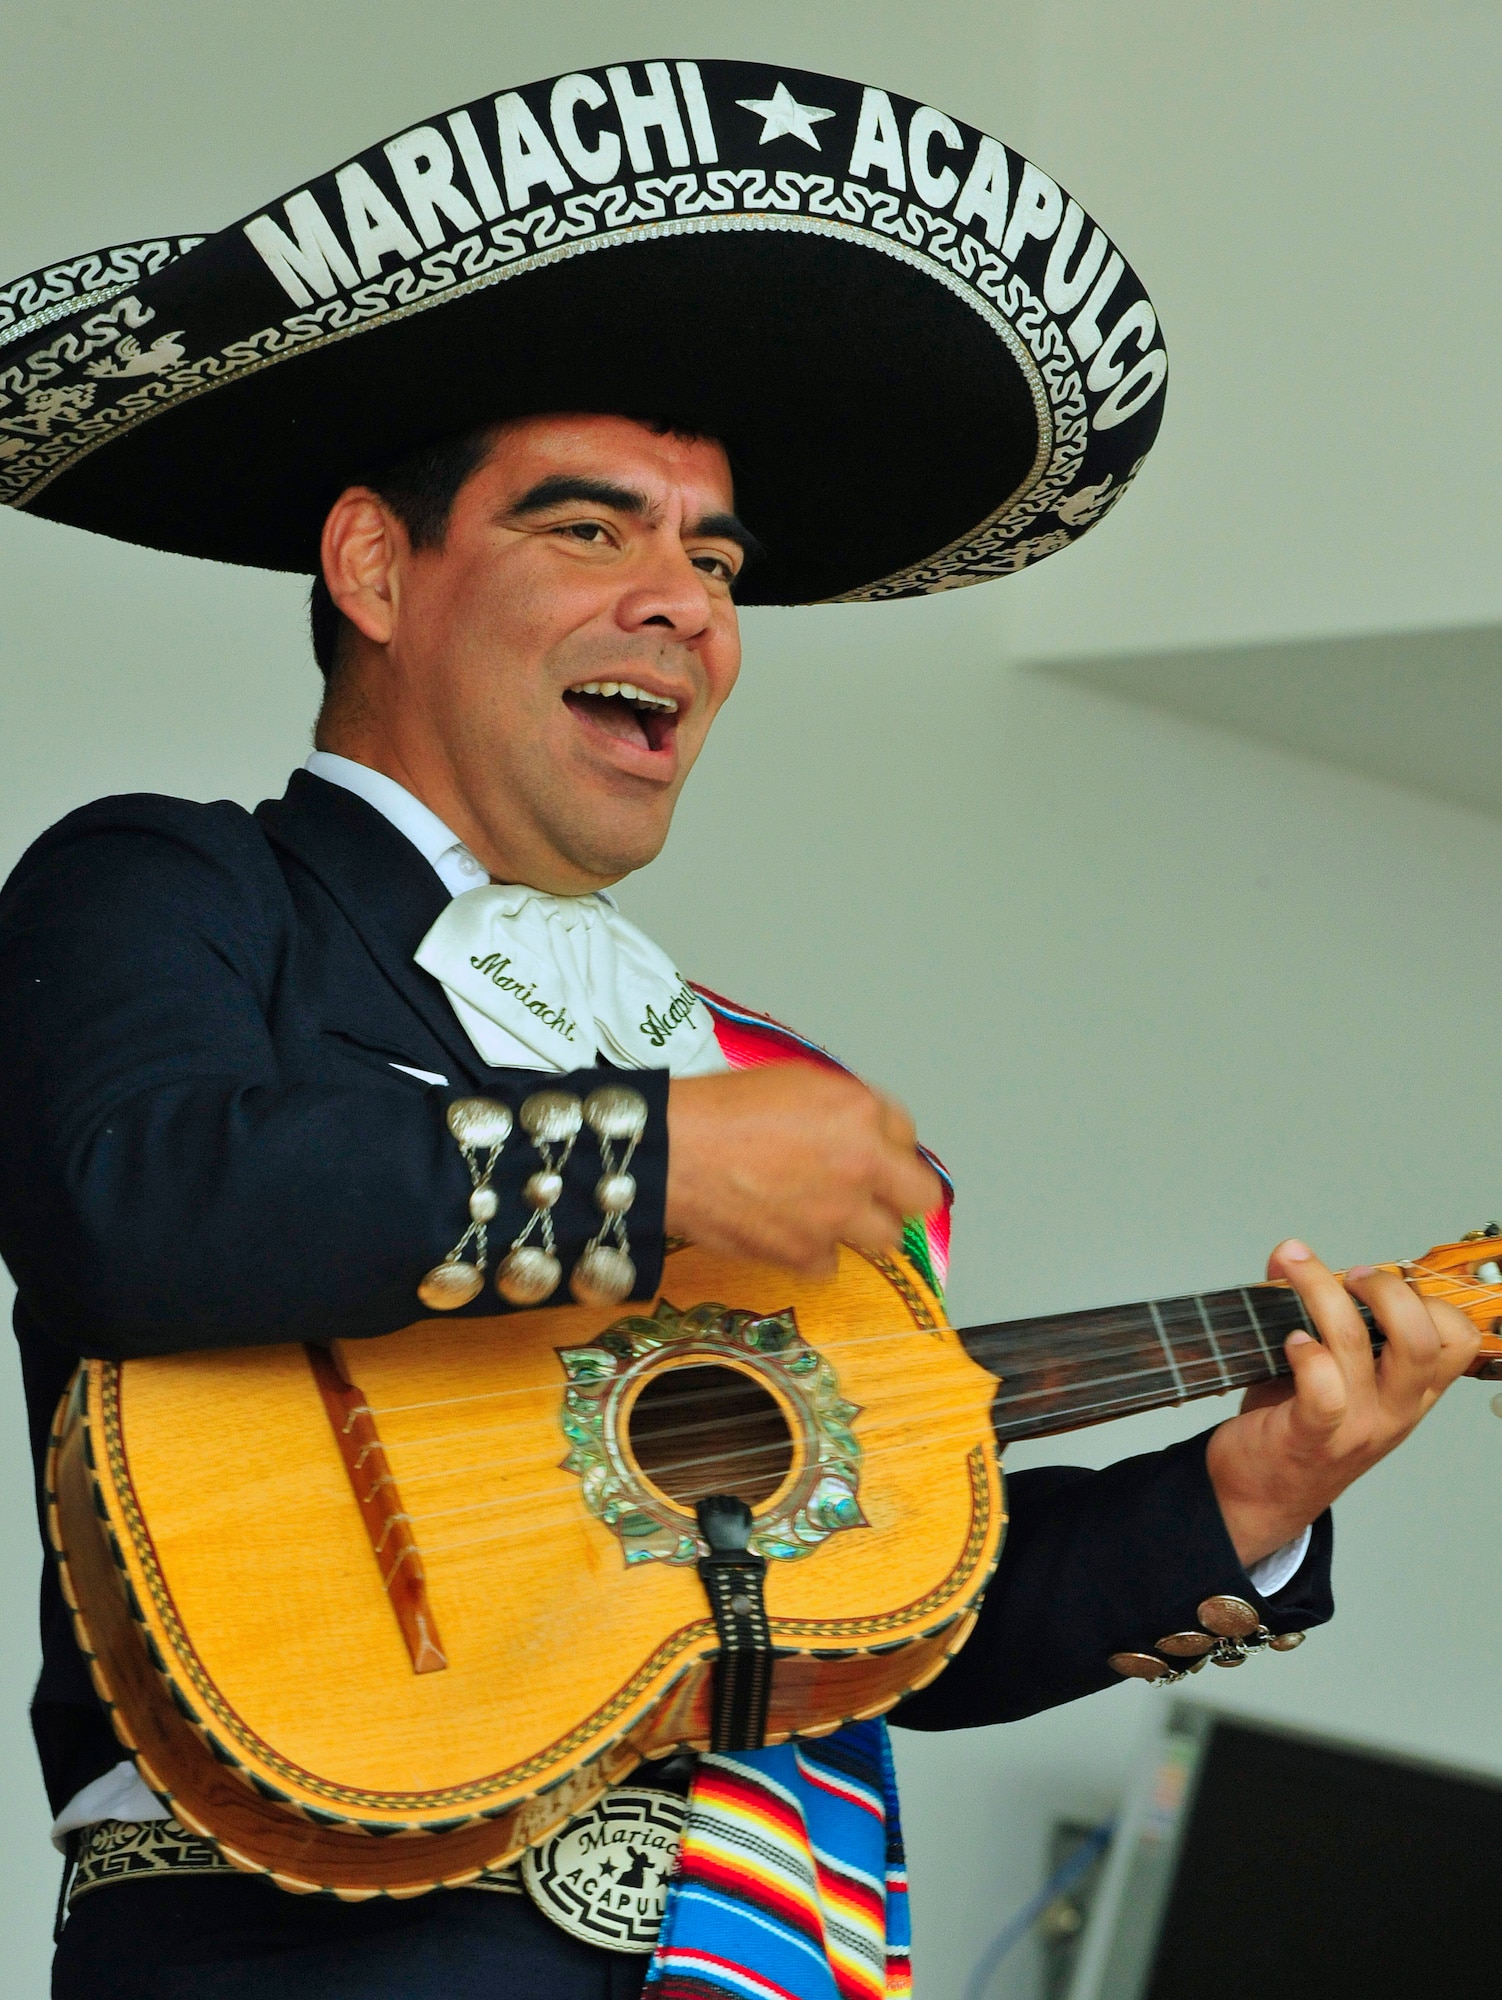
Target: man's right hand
[{"x": 786, "y": 1163}]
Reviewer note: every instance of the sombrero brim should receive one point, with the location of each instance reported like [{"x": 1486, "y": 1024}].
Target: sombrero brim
[{"x": 908, "y": 406}]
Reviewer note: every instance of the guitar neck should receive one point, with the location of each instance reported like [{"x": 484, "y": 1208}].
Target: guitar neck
[{"x": 1068, "y": 1370}]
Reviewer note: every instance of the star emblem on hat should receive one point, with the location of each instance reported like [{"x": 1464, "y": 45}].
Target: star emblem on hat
[{"x": 781, "y": 113}]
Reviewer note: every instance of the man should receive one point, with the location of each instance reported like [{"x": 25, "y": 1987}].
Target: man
[{"x": 225, "y": 1097}]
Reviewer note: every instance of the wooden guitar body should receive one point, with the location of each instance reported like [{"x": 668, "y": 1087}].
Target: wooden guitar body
[
  {"x": 376, "y": 1618},
  {"x": 376, "y": 1621}
]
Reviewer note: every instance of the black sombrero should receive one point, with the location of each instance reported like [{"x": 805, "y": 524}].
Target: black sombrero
[{"x": 928, "y": 364}]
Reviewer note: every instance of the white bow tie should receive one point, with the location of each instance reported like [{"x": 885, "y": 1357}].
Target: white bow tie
[{"x": 556, "y": 982}]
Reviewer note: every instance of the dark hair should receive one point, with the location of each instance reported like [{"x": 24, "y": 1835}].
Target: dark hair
[{"x": 420, "y": 490}]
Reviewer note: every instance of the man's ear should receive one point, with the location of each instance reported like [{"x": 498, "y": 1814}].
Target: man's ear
[{"x": 363, "y": 543}]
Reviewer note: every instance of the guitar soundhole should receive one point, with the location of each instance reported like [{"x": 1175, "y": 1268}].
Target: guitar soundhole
[{"x": 702, "y": 1430}]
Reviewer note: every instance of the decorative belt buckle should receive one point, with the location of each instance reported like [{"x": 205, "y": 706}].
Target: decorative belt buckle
[{"x": 604, "y": 1877}]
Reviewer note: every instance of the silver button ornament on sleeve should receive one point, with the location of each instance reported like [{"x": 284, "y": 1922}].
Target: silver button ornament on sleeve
[
  {"x": 605, "y": 1274},
  {"x": 1233, "y": 1632},
  {"x": 530, "y": 1271},
  {"x": 480, "y": 1127}
]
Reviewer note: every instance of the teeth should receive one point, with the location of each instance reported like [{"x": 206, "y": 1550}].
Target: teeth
[
  {"x": 628, "y": 692},
  {"x": 648, "y": 700}
]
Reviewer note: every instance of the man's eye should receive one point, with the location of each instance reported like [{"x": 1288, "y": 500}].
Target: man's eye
[
  {"x": 719, "y": 567},
  {"x": 584, "y": 531}
]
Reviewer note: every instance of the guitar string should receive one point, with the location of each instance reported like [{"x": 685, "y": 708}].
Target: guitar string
[
  {"x": 1005, "y": 1404},
  {"x": 869, "y": 1448},
  {"x": 1074, "y": 1352},
  {"x": 1007, "y": 1394},
  {"x": 1079, "y": 1412},
  {"x": 1273, "y": 1296},
  {"x": 929, "y": 1441},
  {"x": 512, "y": 1531},
  {"x": 702, "y": 1358},
  {"x": 541, "y": 1497},
  {"x": 1074, "y": 1355},
  {"x": 679, "y": 1466},
  {"x": 872, "y": 1451}
]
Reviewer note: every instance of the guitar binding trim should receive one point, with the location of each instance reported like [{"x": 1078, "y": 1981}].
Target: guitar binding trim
[
  {"x": 106, "y": 1493},
  {"x": 96, "y": 1402}
]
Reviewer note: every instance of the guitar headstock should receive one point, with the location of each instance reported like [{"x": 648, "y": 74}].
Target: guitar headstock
[{"x": 1467, "y": 1274}]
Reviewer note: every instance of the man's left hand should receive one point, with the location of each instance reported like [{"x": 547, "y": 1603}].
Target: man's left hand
[{"x": 1296, "y": 1446}]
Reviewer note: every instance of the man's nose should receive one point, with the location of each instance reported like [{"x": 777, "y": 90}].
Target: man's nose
[{"x": 667, "y": 591}]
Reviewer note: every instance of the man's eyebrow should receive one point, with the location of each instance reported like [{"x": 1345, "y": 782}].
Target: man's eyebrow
[
  {"x": 729, "y": 528},
  {"x": 561, "y": 487}
]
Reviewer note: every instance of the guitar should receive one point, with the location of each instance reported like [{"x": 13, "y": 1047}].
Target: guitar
[{"x": 378, "y": 1616}]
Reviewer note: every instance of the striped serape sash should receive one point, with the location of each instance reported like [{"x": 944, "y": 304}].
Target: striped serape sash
[{"x": 791, "y": 1881}]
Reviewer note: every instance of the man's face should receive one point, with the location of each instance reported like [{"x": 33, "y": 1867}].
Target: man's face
[{"x": 545, "y": 680}]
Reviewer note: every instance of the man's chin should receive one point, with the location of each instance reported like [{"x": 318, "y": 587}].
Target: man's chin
[{"x": 606, "y": 855}]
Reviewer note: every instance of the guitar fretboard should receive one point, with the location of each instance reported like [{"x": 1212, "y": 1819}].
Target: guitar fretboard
[{"x": 1067, "y": 1370}]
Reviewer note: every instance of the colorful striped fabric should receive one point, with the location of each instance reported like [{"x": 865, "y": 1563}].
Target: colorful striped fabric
[
  {"x": 748, "y": 1040},
  {"x": 791, "y": 1881}
]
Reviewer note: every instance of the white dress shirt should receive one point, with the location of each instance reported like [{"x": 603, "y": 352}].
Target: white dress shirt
[{"x": 456, "y": 868}]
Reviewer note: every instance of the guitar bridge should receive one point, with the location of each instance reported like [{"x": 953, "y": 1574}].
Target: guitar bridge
[{"x": 398, "y": 1558}]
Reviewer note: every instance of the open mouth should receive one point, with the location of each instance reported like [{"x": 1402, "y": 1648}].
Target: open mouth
[{"x": 629, "y": 713}]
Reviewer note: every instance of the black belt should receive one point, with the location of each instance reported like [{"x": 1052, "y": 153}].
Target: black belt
[
  {"x": 123, "y": 1850},
  {"x": 633, "y": 1829}
]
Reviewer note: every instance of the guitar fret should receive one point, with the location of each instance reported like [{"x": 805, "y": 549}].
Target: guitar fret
[
  {"x": 1167, "y": 1346},
  {"x": 1243, "y": 1338},
  {"x": 1070, "y": 1369},
  {"x": 1201, "y": 1362},
  {"x": 1225, "y": 1373},
  {"x": 1251, "y": 1313}
]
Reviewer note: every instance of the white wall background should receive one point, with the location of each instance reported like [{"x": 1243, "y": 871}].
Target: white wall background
[{"x": 1159, "y": 993}]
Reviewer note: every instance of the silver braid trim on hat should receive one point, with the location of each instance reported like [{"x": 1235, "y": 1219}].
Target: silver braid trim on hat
[
  {"x": 28, "y": 304},
  {"x": 61, "y": 402}
]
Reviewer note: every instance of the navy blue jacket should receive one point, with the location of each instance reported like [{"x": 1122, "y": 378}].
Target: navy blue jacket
[{"x": 204, "y": 1143}]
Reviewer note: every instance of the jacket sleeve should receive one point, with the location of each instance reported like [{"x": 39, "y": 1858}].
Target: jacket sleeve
[
  {"x": 1096, "y": 1563},
  {"x": 164, "y": 1182}
]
